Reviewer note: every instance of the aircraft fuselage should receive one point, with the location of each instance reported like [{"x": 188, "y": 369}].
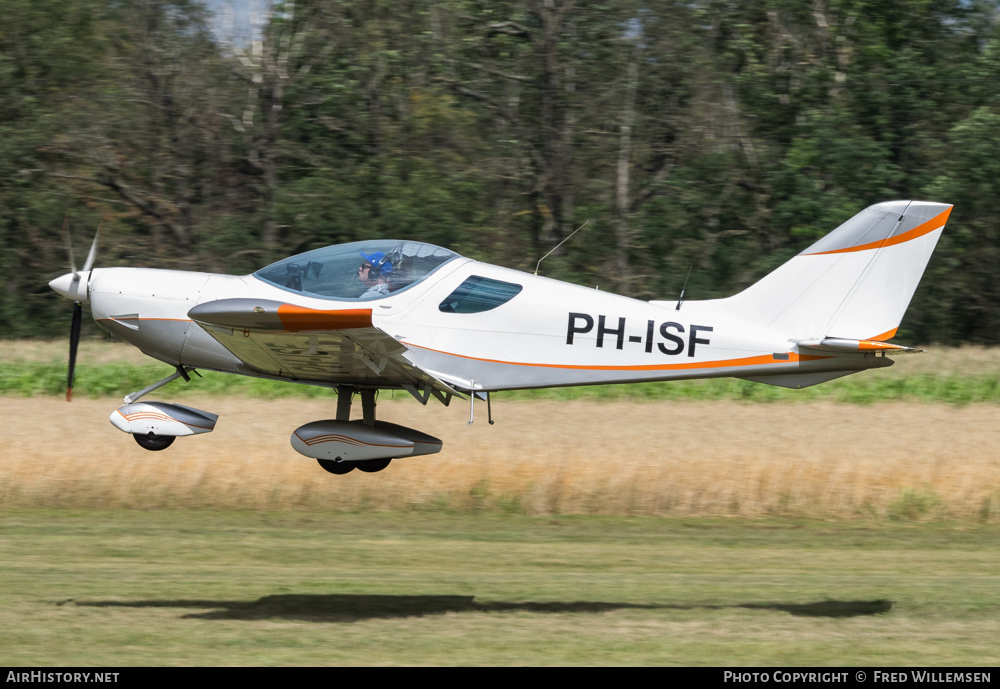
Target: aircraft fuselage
[{"x": 550, "y": 334}]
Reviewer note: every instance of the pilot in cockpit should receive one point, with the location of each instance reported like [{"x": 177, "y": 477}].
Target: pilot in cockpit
[{"x": 374, "y": 273}]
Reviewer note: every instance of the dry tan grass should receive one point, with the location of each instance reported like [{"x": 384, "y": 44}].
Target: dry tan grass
[{"x": 911, "y": 461}]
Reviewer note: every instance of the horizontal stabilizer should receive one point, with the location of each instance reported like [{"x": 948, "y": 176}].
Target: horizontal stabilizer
[{"x": 839, "y": 344}]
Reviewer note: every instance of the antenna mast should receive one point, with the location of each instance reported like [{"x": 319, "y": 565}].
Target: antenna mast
[
  {"x": 680, "y": 299},
  {"x": 559, "y": 245}
]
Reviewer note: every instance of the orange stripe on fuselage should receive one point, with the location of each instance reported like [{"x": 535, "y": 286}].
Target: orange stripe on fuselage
[
  {"x": 725, "y": 363},
  {"x": 934, "y": 223}
]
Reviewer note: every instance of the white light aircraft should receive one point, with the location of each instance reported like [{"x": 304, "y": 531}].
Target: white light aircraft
[{"x": 404, "y": 315}]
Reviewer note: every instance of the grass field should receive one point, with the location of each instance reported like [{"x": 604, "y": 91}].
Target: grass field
[
  {"x": 701, "y": 448},
  {"x": 708, "y": 529},
  {"x": 903, "y": 461},
  {"x": 907, "y": 459},
  {"x": 114, "y": 588}
]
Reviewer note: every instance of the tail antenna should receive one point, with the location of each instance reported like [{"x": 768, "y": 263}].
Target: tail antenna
[{"x": 680, "y": 299}]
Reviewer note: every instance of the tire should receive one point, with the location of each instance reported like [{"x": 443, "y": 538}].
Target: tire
[
  {"x": 152, "y": 442},
  {"x": 339, "y": 468},
  {"x": 372, "y": 465}
]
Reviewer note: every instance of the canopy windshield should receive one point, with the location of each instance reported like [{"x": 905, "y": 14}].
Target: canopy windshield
[{"x": 333, "y": 271}]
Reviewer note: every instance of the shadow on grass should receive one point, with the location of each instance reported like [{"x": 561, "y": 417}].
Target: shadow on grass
[
  {"x": 354, "y": 607},
  {"x": 826, "y": 608}
]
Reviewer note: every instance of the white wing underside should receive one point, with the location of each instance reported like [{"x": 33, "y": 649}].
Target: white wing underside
[{"x": 361, "y": 356}]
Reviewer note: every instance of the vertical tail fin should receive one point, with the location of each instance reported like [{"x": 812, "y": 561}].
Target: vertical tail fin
[{"x": 854, "y": 283}]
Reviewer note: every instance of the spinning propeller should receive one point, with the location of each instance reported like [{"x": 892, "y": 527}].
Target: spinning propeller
[{"x": 74, "y": 285}]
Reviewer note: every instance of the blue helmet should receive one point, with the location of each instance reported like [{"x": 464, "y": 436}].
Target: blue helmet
[{"x": 380, "y": 263}]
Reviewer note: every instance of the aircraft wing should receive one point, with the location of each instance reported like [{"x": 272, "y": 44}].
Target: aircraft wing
[{"x": 339, "y": 346}]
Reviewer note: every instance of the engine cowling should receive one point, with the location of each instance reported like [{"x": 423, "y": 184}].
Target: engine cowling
[{"x": 354, "y": 441}]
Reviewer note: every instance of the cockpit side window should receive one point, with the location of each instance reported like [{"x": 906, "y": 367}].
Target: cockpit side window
[{"x": 478, "y": 294}]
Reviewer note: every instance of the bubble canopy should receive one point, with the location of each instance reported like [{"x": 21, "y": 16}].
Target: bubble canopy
[{"x": 332, "y": 272}]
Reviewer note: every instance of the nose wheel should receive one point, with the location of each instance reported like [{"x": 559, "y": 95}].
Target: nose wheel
[{"x": 154, "y": 442}]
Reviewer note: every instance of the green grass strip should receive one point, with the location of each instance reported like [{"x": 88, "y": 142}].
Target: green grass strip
[
  {"x": 118, "y": 379},
  {"x": 203, "y": 588}
]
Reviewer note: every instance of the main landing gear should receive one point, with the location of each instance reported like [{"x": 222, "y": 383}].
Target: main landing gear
[
  {"x": 340, "y": 465},
  {"x": 341, "y": 445}
]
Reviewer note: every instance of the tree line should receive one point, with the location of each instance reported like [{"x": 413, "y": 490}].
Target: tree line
[{"x": 709, "y": 138}]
